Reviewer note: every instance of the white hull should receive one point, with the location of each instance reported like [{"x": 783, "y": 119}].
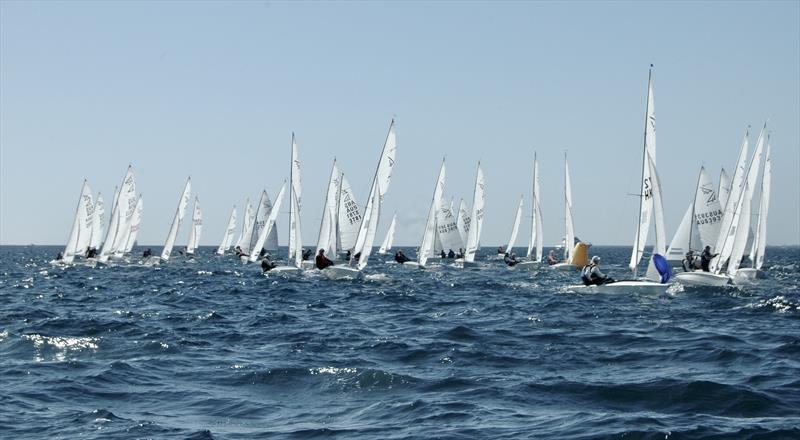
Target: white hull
[
  {"x": 309, "y": 264},
  {"x": 527, "y": 265},
  {"x": 700, "y": 278},
  {"x": 461, "y": 264},
  {"x": 412, "y": 264},
  {"x": 342, "y": 272},
  {"x": 286, "y": 270},
  {"x": 624, "y": 287},
  {"x": 563, "y": 266}
]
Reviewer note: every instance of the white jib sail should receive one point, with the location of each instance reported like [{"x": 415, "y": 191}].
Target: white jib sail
[
  {"x": 295, "y": 205},
  {"x": 659, "y": 247},
  {"x": 724, "y": 188},
  {"x": 247, "y": 227},
  {"x": 98, "y": 219},
  {"x": 462, "y": 222},
  {"x": 515, "y": 228},
  {"x": 730, "y": 205},
  {"x": 447, "y": 227},
  {"x": 273, "y": 214},
  {"x": 112, "y": 228},
  {"x": 731, "y": 223},
  {"x": 686, "y": 237},
  {"x": 536, "y": 224},
  {"x": 760, "y": 241},
  {"x": 197, "y": 228},
  {"x": 327, "y": 226},
  {"x": 426, "y": 247},
  {"x": 387, "y": 241},
  {"x": 569, "y": 228},
  {"x": 349, "y": 216},
  {"x": 380, "y": 184},
  {"x": 707, "y": 209},
  {"x": 262, "y": 212},
  {"x": 136, "y": 222},
  {"x": 645, "y": 197},
  {"x": 176, "y": 220},
  {"x": 478, "y": 200},
  {"x": 80, "y": 234},
  {"x": 227, "y": 239}
]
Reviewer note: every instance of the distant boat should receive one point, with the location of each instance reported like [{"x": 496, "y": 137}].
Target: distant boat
[
  {"x": 569, "y": 228},
  {"x": 426, "y": 247},
  {"x": 295, "y": 257},
  {"x": 81, "y": 231},
  {"x": 389, "y": 240},
  {"x": 230, "y": 230},
  {"x": 760, "y": 241},
  {"x": 180, "y": 211},
  {"x": 197, "y": 228},
  {"x": 121, "y": 215},
  {"x": 535, "y": 247},
  {"x": 326, "y": 240},
  {"x": 255, "y": 252},
  {"x": 476, "y": 222}
]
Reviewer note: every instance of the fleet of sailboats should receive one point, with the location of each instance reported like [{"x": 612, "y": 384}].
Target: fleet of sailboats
[{"x": 718, "y": 218}]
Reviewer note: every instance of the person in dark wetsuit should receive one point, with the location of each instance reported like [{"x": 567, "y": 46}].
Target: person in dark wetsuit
[
  {"x": 688, "y": 262},
  {"x": 400, "y": 257},
  {"x": 60, "y": 256},
  {"x": 591, "y": 275},
  {"x": 321, "y": 261},
  {"x": 91, "y": 253},
  {"x": 451, "y": 254},
  {"x": 147, "y": 253},
  {"x": 267, "y": 264},
  {"x": 306, "y": 254},
  {"x": 510, "y": 260},
  {"x": 552, "y": 258},
  {"x": 443, "y": 254},
  {"x": 705, "y": 258}
]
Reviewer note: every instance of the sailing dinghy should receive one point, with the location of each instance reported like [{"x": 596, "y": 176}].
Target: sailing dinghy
[
  {"x": 745, "y": 274},
  {"x": 295, "y": 257},
  {"x": 180, "y": 211},
  {"x": 81, "y": 233},
  {"x": 227, "y": 239},
  {"x": 534, "y": 254},
  {"x": 570, "y": 247},
  {"x": 475, "y": 224},
  {"x": 386, "y": 246}
]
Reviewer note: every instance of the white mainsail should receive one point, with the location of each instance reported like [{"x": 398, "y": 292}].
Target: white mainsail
[
  {"x": 247, "y": 227},
  {"x": 387, "y": 242},
  {"x": 426, "y": 247},
  {"x": 447, "y": 227},
  {"x": 273, "y": 214},
  {"x": 730, "y": 206},
  {"x": 136, "y": 222},
  {"x": 176, "y": 220},
  {"x": 227, "y": 239},
  {"x": 126, "y": 210},
  {"x": 98, "y": 219},
  {"x": 197, "y": 228},
  {"x": 349, "y": 216},
  {"x": 295, "y": 205},
  {"x": 462, "y": 222},
  {"x": 515, "y": 228},
  {"x": 760, "y": 241},
  {"x": 478, "y": 200},
  {"x": 724, "y": 189},
  {"x": 645, "y": 197},
  {"x": 380, "y": 184},
  {"x": 80, "y": 234},
  {"x": 686, "y": 238},
  {"x": 569, "y": 228},
  {"x": 536, "y": 217},
  {"x": 263, "y": 209},
  {"x": 327, "y": 226},
  {"x": 707, "y": 209}
]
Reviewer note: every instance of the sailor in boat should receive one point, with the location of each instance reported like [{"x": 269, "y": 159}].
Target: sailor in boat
[
  {"x": 552, "y": 258},
  {"x": 501, "y": 250},
  {"x": 443, "y": 254},
  {"x": 591, "y": 275},
  {"x": 705, "y": 258},
  {"x": 147, "y": 253},
  {"x": 267, "y": 264},
  {"x": 321, "y": 261},
  {"x": 451, "y": 254},
  {"x": 91, "y": 252},
  {"x": 690, "y": 262},
  {"x": 239, "y": 252},
  {"x": 400, "y": 257},
  {"x": 306, "y": 254},
  {"x": 60, "y": 256},
  {"x": 510, "y": 260},
  {"x": 460, "y": 253}
]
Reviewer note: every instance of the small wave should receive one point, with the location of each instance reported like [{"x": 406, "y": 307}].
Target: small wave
[{"x": 778, "y": 304}]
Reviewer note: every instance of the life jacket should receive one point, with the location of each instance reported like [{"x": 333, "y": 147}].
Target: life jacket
[{"x": 586, "y": 274}]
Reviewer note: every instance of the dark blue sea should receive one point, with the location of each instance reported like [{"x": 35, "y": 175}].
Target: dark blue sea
[{"x": 212, "y": 349}]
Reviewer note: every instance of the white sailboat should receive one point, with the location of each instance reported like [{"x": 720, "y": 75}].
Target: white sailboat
[
  {"x": 447, "y": 228},
  {"x": 650, "y": 207},
  {"x": 371, "y": 217},
  {"x": 98, "y": 219},
  {"x": 348, "y": 217},
  {"x": 80, "y": 233},
  {"x": 760, "y": 240},
  {"x": 183, "y": 202},
  {"x": 389, "y": 239},
  {"x": 267, "y": 231},
  {"x": 136, "y": 222},
  {"x": 243, "y": 243},
  {"x": 515, "y": 228},
  {"x": 197, "y": 228},
  {"x": 569, "y": 228},
  {"x": 121, "y": 215},
  {"x": 535, "y": 242},
  {"x": 295, "y": 257},
  {"x": 230, "y": 230},
  {"x": 462, "y": 223},
  {"x": 476, "y": 222},
  {"x": 429, "y": 235}
]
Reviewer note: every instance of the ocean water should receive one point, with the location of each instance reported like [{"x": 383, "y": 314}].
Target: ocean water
[{"x": 211, "y": 348}]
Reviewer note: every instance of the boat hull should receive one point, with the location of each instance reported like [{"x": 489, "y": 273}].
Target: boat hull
[
  {"x": 625, "y": 287},
  {"x": 342, "y": 272},
  {"x": 527, "y": 265},
  {"x": 700, "y": 278},
  {"x": 286, "y": 270},
  {"x": 563, "y": 266}
]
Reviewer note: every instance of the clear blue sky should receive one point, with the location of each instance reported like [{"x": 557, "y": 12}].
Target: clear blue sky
[{"x": 215, "y": 89}]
